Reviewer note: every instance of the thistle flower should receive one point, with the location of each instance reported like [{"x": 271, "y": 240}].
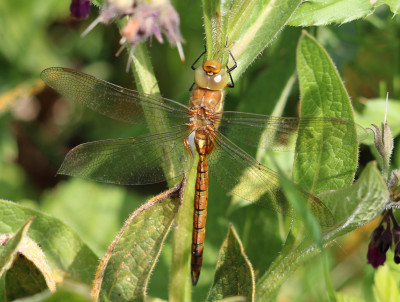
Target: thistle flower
[{"x": 146, "y": 19}]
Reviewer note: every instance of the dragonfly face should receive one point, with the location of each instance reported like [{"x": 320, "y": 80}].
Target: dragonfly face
[
  {"x": 211, "y": 76},
  {"x": 204, "y": 127}
]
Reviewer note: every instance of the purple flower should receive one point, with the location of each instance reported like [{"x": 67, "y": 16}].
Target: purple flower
[
  {"x": 80, "y": 9},
  {"x": 386, "y": 234},
  {"x": 397, "y": 253},
  {"x": 385, "y": 240},
  {"x": 141, "y": 26},
  {"x": 375, "y": 256},
  {"x": 146, "y": 19}
]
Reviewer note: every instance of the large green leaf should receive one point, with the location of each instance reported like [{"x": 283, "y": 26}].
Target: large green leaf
[
  {"x": 125, "y": 269},
  {"x": 323, "y": 12},
  {"x": 12, "y": 242},
  {"x": 234, "y": 275},
  {"x": 299, "y": 204},
  {"x": 24, "y": 279},
  {"x": 70, "y": 293},
  {"x": 245, "y": 26},
  {"x": 363, "y": 202},
  {"x": 68, "y": 257},
  {"x": 356, "y": 205},
  {"x": 325, "y": 159}
]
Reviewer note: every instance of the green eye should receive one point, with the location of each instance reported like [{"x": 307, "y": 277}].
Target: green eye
[
  {"x": 200, "y": 77},
  {"x": 219, "y": 80},
  {"x": 214, "y": 82}
]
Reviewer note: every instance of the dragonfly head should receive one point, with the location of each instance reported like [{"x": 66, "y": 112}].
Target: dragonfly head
[
  {"x": 211, "y": 75},
  {"x": 212, "y": 67}
]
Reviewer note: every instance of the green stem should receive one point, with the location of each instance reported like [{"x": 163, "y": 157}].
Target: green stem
[
  {"x": 180, "y": 280},
  {"x": 279, "y": 271}
]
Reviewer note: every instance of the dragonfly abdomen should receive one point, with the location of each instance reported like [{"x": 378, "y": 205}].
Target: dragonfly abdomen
[{"x": 199, "y": 217}]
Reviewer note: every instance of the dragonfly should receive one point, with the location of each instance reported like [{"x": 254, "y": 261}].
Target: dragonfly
[{"x": 178, "y": 132}]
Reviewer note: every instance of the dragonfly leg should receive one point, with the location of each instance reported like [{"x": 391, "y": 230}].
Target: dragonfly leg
[
  {"x": 229, "y": 69},
  {"x": 202, "y": 54}
]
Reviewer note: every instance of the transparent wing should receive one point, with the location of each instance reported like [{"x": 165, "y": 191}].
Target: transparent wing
[
  {"x": 280, "y": 133},
  {"x": 111, "y": 100},
  {"x": 240, "y": 174},
  {"x": 130, "y": 161}
]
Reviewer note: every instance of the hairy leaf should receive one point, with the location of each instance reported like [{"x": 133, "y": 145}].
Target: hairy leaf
[
  {"x": 324, "y": 161},
  {"x": 323, "y": 12},
  {"x": 234, "y": 275},
  {"x": 125, "y": 269}
]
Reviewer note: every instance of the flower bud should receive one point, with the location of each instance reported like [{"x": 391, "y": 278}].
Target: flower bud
[
  {"x": 384, "y": 143},
  {"x": 385, "y": 240},
  {"x": 80, "y": 9},
  {"x": 397, "y": 253},
  {"x": 394, "y": 185},
  {"x": 375, "y": 256}
]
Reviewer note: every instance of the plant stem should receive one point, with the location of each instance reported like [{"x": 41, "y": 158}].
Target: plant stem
[{"x": 180, "y": 281}]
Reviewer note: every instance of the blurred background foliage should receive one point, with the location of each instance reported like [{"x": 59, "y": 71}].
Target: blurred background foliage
[{"x": 37, "y": 128}]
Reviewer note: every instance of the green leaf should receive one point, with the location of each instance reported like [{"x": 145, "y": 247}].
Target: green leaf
[
  {"x": 125, "y": 269},
  {"x": 341, "y": 297},
  {"x": 360, "y": 203},
  {"x": 234, "y": 275},
  {"x": 299, "y": 203},
  {"x": 385, "y": 286},
  {"x": 234, "y": 299},
  {"x": 269, "y": 92},
  {"x": 247, "y": 27},
  {"x": 180, "y": 284},
  {"x": 12, "y": 242},
  {"x": 70, "y": 293},
  {"x": 324, "y": 160},
  {"x": 23, "y": 265},
  {"x": 323, "y": 12},
  {"x": 354, "y": 206},
  {"x": 23, "y": 279},
  {"x": 95, "y": 209},
  {"x": 68, "y": 257}
]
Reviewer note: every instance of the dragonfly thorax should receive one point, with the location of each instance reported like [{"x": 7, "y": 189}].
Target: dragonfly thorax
[
  {"x": 205, "y": 108},
  {"x": 211, "y": 100}
]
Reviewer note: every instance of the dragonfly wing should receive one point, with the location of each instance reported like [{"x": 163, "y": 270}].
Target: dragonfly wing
[
  {"x": 146, "y": 159},
  {"x": 280, "y": 133},
  {"x": 111, "y": 100},
  {"x": 242, "y": 175}
]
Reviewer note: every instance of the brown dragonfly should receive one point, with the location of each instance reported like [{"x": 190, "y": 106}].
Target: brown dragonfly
[{"x": 178, "y": 132}]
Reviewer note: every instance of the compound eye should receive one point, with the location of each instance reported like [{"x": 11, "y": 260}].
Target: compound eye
[
  {"x": 200, "y": 77},
  {"x": 219, "y": 80}
]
